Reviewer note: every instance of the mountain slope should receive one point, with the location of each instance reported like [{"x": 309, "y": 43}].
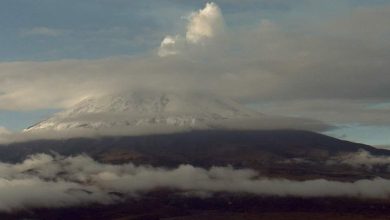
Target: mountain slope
[
  {"x": 147, "y": 109},
  {"x": 154, "y": 112},
  {"x": 171, "y": 129},
  {"x": 266, "y": 151}
]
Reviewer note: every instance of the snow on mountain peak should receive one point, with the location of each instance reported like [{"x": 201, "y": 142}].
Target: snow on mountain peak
[
  {"x": 146, "y": 112},
  {"x": 147, "y": 109}
]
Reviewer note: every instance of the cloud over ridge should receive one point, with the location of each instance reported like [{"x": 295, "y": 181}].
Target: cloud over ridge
[{"x": 55, "y": 181}]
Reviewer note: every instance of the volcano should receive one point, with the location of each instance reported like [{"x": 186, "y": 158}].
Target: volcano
[
  {"x": 154, "y": 112},
  {"x": 166, "y": 130}
]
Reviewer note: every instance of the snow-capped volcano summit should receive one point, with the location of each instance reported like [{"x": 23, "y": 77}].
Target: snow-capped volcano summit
[
  {"x": 154, "y": 112},
  {"x": 141, "y": 109}
]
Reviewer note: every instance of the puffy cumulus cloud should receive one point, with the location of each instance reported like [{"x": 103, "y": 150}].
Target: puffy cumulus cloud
[
  {"x": 169, "y": 46},
  {"x": 54, "y": 181},
  {"x": 203, "y": 26}
]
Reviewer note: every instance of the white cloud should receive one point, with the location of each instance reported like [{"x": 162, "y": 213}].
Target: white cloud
[
  {"x": 363, "y": 159},
  {"x": 170, "y": 46},
  {"x": 56, "y": 181},
  {"x": 203, "y": 26}
]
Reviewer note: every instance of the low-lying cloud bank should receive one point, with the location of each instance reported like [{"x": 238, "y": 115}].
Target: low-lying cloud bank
[
  {"x": 54, "y": 181},
  {"x": 363, "y": 159}
]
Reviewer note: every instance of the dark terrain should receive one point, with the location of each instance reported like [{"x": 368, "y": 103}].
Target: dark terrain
[
  {"x": 263, "y": 151},
  {"x": 170, "y": 206}
]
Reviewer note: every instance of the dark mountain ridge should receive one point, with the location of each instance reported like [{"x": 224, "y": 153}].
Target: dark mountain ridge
[{"x": 263, "y": 150}]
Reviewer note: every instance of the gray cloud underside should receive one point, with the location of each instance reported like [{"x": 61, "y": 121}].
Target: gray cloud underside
[
  {"x": 363, "y": 112},
  {"x": 54, "y": 181}
]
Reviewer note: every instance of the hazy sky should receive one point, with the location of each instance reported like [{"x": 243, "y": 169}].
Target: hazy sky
[{"x": 327, "y": 60}]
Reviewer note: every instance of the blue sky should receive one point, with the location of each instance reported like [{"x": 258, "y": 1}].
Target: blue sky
[
  {"x": 16, "y": 120},
  {"x": 374, "y": 135},
  {"x": 53, "y": 30},
  {"x": 91, "y": 29},
  {"x": 100, "y": 28}
]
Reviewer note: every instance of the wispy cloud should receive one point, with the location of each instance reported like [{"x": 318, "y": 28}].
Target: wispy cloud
[
  {"x": 4, "y": 132},
  {"x": 43, "y": 32}
]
